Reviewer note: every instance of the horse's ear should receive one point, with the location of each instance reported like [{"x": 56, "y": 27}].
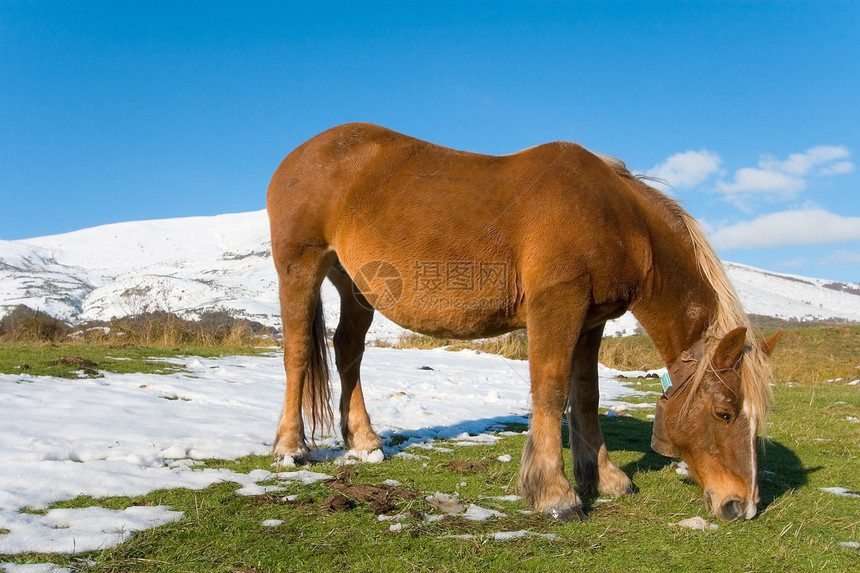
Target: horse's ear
[
  {"x": 730, "y": 349},
  {"x": 768, "y": 344}
]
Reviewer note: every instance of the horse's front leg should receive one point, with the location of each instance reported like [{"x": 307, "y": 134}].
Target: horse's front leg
[
  {"x": 592, "y": 468},
  {"x": 542, "y": 480}
]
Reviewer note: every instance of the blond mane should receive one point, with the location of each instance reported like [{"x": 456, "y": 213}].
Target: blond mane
[{"x": 755, "y": 369}]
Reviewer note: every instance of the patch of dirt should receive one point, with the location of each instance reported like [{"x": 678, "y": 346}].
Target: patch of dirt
[
  {"x": 337, "y": 502},
  {"x": 272, "y": 499},
  {"x": 345, "y": 473},
  {"x": 463, "y": 466},
  {"x": 75, "y": 361},
  {"x": 381, "y": 498}
]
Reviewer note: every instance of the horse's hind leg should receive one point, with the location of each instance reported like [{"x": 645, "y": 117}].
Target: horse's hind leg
[
  {"x": 356, "y": 315},
  {"x": 300, "y": 274},
  {"x": 593, "y": 470}
]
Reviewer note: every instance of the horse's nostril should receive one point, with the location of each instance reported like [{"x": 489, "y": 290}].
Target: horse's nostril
[{"x": 732, "y": 509}]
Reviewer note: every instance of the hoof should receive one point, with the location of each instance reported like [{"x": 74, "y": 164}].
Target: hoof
[
  {"x": 570, "y": 513},
  {"x": 367, "y": 442},
  {"x": 619, "y": 489},
  {"x": 369, "y": 457},
  {"x": 291, "y": 459},
  {"x": 616, "y": 483}
]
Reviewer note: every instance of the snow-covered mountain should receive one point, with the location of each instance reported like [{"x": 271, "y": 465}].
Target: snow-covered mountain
[{"x": 195, "y": 264}]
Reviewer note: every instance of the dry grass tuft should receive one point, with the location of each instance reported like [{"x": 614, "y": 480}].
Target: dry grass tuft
[
  {"x": 145, "y": 329},
  {"x": 23, "y": 324},
  {"x": 816, "y": 355},
  {"x": 827, "y": 355},
  {"x": 635, "y": 352},
  {"x": 513, "y": 345}
]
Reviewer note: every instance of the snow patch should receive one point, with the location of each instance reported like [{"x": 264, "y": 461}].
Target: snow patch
[
  {"x": 505, "y": 498},
  {"x": 77, "y": 530},
  {"x": 505, "y": 535},
  {"x": 508, "y": 535},
  {"x": 33, "y": 568},
  {"x": 131, "y": 441},
  {"x": 697, "y": 523},
  {"x": 477, "y": 513},
  {"x": 304, "y": 476},
  {"x": 840, "y": 491}
]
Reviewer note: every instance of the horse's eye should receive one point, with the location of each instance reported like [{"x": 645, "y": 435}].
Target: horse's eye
[{"x": 724, "y": 416}]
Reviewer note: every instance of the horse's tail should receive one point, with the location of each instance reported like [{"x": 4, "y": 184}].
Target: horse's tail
[{"x": 316, "y": 401}]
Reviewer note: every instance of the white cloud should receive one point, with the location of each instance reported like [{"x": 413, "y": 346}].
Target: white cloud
[
  {"x": 842, "y": 257},
  {"x": 805, "y": 163},
  {"x": 687, "y": 169},
  {"x": 810, "y": 226},
  {"x": 838, "y": 168},
  {"x": 754, "y": 180},
  {"x": 786, "y": 178}
]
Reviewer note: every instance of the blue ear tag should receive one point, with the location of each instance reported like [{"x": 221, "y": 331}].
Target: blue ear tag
[{"x": 666, "y": 381}]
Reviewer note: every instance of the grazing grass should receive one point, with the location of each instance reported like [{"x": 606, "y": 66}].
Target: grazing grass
[
  {"x": 800, "y": 527},
  {"x": 79, "y": 360},
  {"x": 814, "y": 440}
]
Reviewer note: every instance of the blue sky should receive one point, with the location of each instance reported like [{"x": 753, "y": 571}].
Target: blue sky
[{"x": 121, "y": 111}]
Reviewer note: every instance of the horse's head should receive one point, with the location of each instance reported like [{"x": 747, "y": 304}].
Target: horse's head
[{"x": 709, "y": 425}]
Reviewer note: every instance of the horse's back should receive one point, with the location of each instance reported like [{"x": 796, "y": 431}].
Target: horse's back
[
  {"x": 451, "y": 221},
  {"x": 364, "y": 171}
]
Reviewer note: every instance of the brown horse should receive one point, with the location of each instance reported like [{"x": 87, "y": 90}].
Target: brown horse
[{"x": 553, "y": 238}]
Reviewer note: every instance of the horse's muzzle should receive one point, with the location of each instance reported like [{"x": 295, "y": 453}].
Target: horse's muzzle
[{"x": 731, "y": 509}]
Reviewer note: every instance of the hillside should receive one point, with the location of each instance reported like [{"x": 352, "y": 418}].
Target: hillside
[{"x": 196, "y": 264}]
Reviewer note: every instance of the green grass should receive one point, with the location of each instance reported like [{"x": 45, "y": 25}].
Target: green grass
[
  {"x": 799, "y": 527},
  {"x": 813, "y": 444},
  {"x": 40, "y": 359}
]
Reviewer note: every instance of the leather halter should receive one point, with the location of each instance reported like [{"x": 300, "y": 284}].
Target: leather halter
[{"x": 684, "y": 368}]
